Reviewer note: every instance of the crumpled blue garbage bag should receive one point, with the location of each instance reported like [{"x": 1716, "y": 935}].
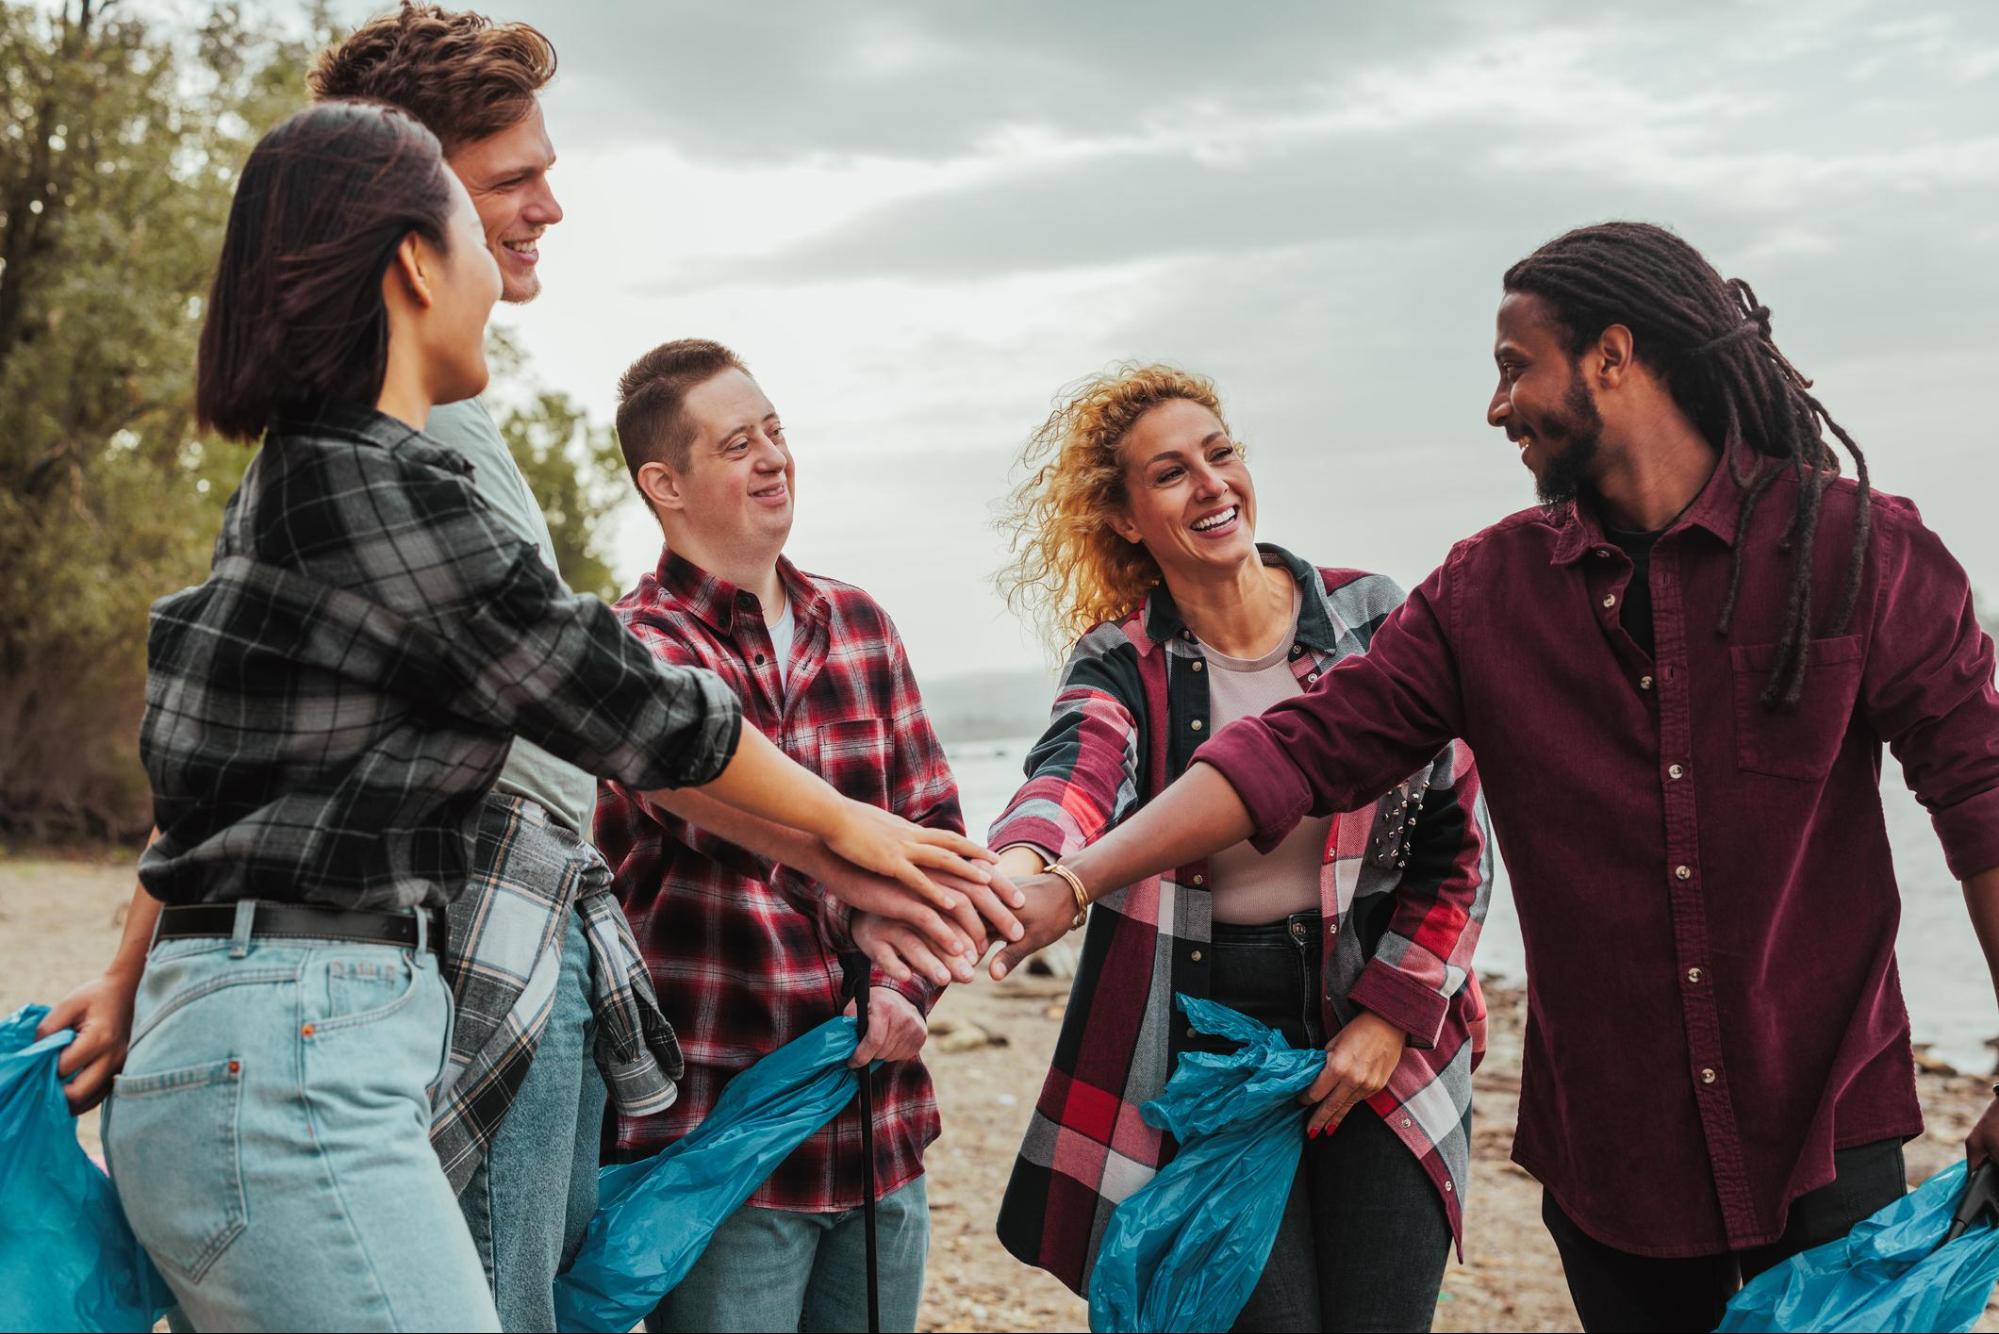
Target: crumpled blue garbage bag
[
  {"x": 1184, "y": 1251},
  {"x": 654, "y": 1217},
  {"x": 68, "y": 1259},
  {"x": 1886, "y": 1274}
]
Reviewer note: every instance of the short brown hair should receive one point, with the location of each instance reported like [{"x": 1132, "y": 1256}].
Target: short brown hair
[
  {"x": 652, "y": 400},
  {"x": 461, "y": 74},
  {"x": 296, "y": 317}
]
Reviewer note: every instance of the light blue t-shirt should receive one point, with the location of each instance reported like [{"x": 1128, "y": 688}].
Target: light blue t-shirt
[{"x": 565, "y": 791}]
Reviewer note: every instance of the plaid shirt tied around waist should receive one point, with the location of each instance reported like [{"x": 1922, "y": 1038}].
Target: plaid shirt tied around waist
[
  {"x": 326, "y": 712},
  {"x": 503, "y": 965},
  {"x": 740, "y": 950},
  {"x": 1403, "y": 888}
]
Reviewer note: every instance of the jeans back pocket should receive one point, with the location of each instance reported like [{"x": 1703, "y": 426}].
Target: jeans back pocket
[{"x": 175, "y": 1147}]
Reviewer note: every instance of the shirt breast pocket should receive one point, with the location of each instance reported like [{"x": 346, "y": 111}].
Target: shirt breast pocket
[
  {"x": 1802, "y": 741},
  {"x": 854, "y": 757}
]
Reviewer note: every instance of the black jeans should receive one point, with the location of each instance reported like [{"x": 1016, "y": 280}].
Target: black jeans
[
  {"x": 1615, "y": 1290},
  {"x": 1364, "y": 1238}
]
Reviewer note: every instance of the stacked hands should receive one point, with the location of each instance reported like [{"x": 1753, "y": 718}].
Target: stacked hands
[
  {"x": 924, "y": 903},
  {"x": 935, "y": 914}
]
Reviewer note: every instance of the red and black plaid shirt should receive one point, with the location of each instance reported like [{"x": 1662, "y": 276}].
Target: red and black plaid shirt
[{"x": 740, "y": 966}]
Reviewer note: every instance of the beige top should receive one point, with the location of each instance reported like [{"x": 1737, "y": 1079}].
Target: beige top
[{"x": 1251, "y": 887}]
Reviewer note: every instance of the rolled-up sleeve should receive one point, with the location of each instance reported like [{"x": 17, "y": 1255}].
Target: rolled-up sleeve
[
  {"x": 1082, "y": 775},
  {"x": 1929, "y": 688},
  {"x": 1361, "y": 729},
  {"x": 1440, "y": 903}
]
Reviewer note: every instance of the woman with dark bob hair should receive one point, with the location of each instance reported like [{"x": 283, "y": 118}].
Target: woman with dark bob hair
[
  {"x": 1135, "y": 539},
  {"x": 324, "y": 715}
]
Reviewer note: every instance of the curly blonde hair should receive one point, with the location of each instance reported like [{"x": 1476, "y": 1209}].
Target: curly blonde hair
[{"x": 1070, "y": 569}]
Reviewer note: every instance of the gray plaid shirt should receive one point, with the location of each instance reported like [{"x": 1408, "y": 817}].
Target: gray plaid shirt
[{"x": 326, "y": 712}]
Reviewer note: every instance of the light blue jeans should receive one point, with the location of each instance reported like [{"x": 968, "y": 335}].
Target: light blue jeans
[
  {"x": 530, "y": 1200},
  {"x": 772, "y": 1269},
  {"x": 270, "y": 1138}
]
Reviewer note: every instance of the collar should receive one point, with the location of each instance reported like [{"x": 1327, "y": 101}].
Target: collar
[
  {"x": 1163, "y": 621},
  {"x": 1713, "y": 508},
  {"x": 716, "y": 601},
  {"x": 363, "y": 424}
]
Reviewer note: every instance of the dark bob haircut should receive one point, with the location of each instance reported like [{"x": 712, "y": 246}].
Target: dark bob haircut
[{"x": 296, "y": 317}]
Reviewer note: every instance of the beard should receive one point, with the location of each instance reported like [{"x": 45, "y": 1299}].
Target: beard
[{"x": 1579, "y": 424}]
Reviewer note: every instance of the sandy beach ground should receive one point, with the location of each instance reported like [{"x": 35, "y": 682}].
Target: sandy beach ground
[{"x": 59, "y": 920}]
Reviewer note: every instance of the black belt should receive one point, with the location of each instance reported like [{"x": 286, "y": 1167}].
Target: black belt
[{"x": 300, "y": 921}]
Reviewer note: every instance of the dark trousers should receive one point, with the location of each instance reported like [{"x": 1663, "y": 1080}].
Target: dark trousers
[
  {"x": 1615, "y": 1290},
  {"x": 1364, "y": 1238}
]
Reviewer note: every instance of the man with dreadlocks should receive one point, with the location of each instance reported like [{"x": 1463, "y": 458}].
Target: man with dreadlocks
[{"x": 1677, "y": 673}]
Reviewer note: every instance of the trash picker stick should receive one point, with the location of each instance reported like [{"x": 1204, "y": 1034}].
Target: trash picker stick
[{"x": 856, "y": 967}]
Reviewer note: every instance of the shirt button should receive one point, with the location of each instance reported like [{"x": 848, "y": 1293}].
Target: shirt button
[
  {"x": 1311, "y": 676},
  {"x": 1200, "y": 880},
  {"x": 1603, "y": 551},
  {"x": 1707, "y": 1076},
  {"x": 1195, "y": 956},
  {"x": 1405, "y": 1123},
  {"x": 1684, "y": 872},
  {"x": 1610, "y": 599},
  {"x": 1447, "y": 1186},
  {"x": 1195, "y": 665},
  {"x": 1197, "y": 724},
  {"x": 1193, "y": 1033},
  {"x": 1694, "y": 975},
  {"x": 1675, "y": 771},
  {"x": 1644, "y": 683}
]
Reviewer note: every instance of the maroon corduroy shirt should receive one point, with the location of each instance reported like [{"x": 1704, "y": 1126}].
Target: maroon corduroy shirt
[{"x": 1704, "y": 886}]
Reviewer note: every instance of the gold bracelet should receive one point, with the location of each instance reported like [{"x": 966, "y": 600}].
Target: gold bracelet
[{"x": 1075, "y": 885}]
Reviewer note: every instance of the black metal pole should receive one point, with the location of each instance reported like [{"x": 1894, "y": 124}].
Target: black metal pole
[
  {"x": 857, "y": 970},
  {"x": 1981, "y": 1197}
]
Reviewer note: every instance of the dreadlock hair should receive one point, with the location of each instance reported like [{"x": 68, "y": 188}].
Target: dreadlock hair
[{"x": 1709, "y": 338}]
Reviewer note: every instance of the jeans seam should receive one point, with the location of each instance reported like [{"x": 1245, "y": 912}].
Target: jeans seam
[
  {"x": 339, "y": 1193},
  {"x": 181, "y": 999}
]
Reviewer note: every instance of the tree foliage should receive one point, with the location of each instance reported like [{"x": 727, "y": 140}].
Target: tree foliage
[
  {"x": 120, "y": 141},
  {"x": 572, "y": 464},
  {"x": 119, "y": 145}
]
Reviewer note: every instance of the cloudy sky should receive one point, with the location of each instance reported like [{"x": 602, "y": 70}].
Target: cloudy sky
[{"x": 918, "y": 221}]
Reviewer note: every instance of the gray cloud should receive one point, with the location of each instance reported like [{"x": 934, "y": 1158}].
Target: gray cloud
[{"x": 1312, "y": 203}]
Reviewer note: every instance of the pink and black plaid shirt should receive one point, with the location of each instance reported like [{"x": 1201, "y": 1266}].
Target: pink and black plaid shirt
[{"x": 741, "y": 966}]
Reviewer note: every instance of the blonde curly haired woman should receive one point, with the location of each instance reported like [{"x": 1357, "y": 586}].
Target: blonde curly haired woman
[{"x": 1134, "y": 542}]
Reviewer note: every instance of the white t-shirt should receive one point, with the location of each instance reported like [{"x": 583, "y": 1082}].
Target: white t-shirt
[{"x": 781, "y": 636}]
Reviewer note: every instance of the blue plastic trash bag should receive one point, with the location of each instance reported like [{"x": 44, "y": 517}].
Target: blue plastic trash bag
[
  {"x": 1184, "y": 1251},
  {"x": 654, "y": 1217},
  {"x": 68, "y": 1259},
  {"x": 1886, "y": 1274}
]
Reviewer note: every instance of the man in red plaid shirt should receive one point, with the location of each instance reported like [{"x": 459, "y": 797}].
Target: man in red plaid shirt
[{"x": 739, "y": 947}]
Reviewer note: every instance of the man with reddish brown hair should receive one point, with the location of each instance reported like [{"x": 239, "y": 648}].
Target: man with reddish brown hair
[{"x": 541, "y": 966}]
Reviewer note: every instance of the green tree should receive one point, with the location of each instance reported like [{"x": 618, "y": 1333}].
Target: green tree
[
  {"x": 119, "y": 144},
  {"x": 572, "y": 464}
]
